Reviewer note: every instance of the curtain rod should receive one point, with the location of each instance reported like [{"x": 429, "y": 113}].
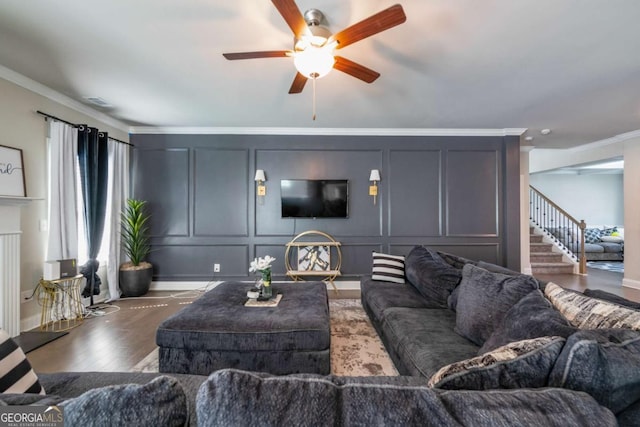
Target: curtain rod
[{"x": 76, "y": 125}]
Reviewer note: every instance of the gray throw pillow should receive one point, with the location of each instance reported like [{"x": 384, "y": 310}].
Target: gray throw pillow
[
  {"x": 431, "y": 275},
  {"x": 522, "y": 364},
  {"x": 604, "y": 363},
  {"x": 532, "y": 317},
  {"x": 484, "y": 298},
  {"x": 161, "y": 402}
]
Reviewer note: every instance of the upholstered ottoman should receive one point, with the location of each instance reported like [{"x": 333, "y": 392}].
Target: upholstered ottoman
[{"x": 217, "y": 331}]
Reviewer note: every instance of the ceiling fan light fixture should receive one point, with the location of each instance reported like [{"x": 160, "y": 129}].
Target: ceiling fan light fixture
[{"x": 314, "y": 62}]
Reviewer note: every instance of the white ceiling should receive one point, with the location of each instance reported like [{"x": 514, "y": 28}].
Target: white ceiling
[{"x": 571, "y": 66}]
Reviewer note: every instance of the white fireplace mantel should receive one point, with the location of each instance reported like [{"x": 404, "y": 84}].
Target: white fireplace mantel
[{"x": 10, "y": 231}]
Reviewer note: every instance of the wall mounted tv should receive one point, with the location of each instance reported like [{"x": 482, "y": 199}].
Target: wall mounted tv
[{"x": 320, "y": 198}]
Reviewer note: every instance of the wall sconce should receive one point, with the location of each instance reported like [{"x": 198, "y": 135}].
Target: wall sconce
[
  {"x": 261, "y": 190},
  {"x": 373, "y": 189}
]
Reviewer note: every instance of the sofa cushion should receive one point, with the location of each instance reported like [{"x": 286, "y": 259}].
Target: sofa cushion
[
  {"x": 494, "y": 268},
  {"x": 455, "y": 260},
  {"x": 521, "y": 364},
  {"x": 592, "y": 235},
  {"x": 604, "y": 363},
  {"x": 484, "y": 298},
  {"x": 591, "y": 313},
  {"x": 16, "y": 375},
  {"x": 531, "y": 317},
  {"x": 608, "y": 296},
  {"x": 423, "y": 340},
  {"x": 388, "y": 268},
  {"x": 611, "y": 248},
  {"x": 378, "y": 296},
  {"x": 161, "y": 402},
  {"x": 73, "y": 384},
  {"x": 232, "y": 397},
  {"x": 452, "y": 301},
  {"x": 612, "y": 239},
  {"x": 431, "y": 275}
]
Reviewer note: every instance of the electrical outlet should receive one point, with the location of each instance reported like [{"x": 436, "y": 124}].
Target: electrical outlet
[
  {"x": 216, "y": 268},
  {"x": 26, "y": 296}
]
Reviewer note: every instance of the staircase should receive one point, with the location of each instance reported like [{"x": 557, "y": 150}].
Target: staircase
[
  {"x": 566, "y": 232},
  {"x": 543, "y": 259}
]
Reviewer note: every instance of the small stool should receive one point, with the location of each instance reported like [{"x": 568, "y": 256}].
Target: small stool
[{"x": 217, "y": 331}]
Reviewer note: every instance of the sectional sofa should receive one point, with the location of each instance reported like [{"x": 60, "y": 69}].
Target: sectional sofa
[
  {"x": 475, "y": 345},
  {"x": 467, "y": 325}
]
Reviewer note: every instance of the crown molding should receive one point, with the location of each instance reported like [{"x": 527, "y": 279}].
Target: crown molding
[
  {"x": 325, "y": 131},
  {"x": 47, "y": 92},
  {"x": 623, "y": 137}
]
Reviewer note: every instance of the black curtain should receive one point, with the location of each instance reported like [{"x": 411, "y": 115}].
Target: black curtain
[{"x": 93, "y": 158}]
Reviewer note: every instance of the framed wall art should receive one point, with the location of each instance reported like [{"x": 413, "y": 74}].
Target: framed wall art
[
  {"x": 11, "y": 172},
  {"x": 314, "y": 258}
]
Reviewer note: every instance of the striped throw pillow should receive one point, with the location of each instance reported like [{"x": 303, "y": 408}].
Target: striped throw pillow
[
  {"x": 16, "y": 375},
  {"x": 388, "y": 268}
]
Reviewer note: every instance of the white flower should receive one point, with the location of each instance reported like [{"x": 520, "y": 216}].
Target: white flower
[{"x": 261, "y": 264}]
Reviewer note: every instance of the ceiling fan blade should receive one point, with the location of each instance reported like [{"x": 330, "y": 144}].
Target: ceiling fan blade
[
  {"x": 298, "y": 83},
  {"x": 261, "y": 54},
  {"x": 356, "y": 70},
  {"x": 292, "y": 15},
  {"x": 374, "y": 24}
]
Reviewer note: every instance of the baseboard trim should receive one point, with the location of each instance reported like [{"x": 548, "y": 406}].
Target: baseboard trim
[
  {"x": 347, "y": 285},
  {"x": 629, "y": 283}
]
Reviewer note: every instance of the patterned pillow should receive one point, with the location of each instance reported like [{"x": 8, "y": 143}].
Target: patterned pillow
[
  {"x": 388, "y": 268},
  {"x": 592, "y": 235},
  {"x": 521, "y": 364},
  {"x": 590, "y": 313},
  {"x": 608, "y": 231},
  {"x": 16, "y": 375}
]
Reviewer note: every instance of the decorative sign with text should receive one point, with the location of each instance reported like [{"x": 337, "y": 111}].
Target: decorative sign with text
[{"x": 11, "y": 172}]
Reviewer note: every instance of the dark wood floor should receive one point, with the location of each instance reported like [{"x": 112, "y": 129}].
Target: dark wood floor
[{"x": 125, "y": 334}]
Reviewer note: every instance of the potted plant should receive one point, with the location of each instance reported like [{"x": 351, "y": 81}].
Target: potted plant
[{"x": 136, "y": 274}]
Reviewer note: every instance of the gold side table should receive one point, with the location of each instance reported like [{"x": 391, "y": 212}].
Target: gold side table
[
  {"x": 313, "y": 258},
  {"x": 61, "y": 303}
]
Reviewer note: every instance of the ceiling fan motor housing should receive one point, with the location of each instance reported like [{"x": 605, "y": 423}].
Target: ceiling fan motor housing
[
  {"x": 314, "y": 17},
  {"x": 319, "y": 33}
]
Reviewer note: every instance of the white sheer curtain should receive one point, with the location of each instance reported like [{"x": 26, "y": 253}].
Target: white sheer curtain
[
  {"x": 62, "y": 216},
  {"x": 117, "y": 194}
]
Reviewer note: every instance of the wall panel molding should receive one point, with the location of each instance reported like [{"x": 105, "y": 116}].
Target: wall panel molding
[{"x": 458, "y": 194}]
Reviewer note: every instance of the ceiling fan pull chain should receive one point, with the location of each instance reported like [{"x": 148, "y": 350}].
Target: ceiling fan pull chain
[{"x": 314, "y": 96}]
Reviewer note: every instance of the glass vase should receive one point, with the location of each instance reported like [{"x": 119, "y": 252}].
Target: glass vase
[{"x": 267, "y": 291}]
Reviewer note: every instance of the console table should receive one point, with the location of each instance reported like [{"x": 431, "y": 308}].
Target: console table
[
  {"x": 313, "y": 257},
  {"x": 61, "y": 303}
]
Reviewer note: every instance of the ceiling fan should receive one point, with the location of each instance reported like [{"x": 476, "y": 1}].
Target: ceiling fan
[{"x": 314, "y": 44}]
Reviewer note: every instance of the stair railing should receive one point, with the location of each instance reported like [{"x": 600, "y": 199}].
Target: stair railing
[{"x": 562, "y": 228}]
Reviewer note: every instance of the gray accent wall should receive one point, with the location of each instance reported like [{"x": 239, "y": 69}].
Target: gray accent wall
[{"x": 456, "y": 194}]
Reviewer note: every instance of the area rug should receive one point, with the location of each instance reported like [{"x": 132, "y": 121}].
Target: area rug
[
  {"x": 617, "y": 267},
  {"x": 29, "y": 341},
  {"x": 356, "y": 349}
]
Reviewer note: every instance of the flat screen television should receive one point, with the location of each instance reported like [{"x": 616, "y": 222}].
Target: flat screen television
[{"x": 314, "y": 198}]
